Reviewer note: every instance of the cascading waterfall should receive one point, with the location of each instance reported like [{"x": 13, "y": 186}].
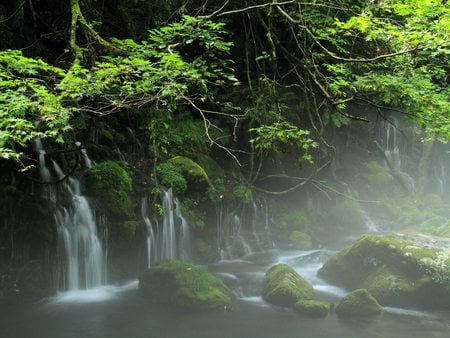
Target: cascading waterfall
[
  {"x": 238, "y": 236},
  {"x": 82, "y": 263},
  {"x": 171, "y": 239},
  {"x": 83, "y": 258},
  {"x": 391, "y": 140},
  {"x": 167, "y": 238},
  {"x": 150, "y": 239}
]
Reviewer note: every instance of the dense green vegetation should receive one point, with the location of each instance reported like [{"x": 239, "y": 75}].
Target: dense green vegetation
[
  {"x": 248, "y": 78},
  {"x": 219, "y": 100}
]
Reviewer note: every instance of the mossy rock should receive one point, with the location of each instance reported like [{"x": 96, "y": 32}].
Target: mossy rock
[
  {"x": 124, "y": 232},
  {"x": 283, "y": 286},
  {"x": 378, "y": 175},
  {"x": 358, "y": 303},
  {"x": 300, "y": 240},
  {"x": 183, "y": 285},
  {"x": 313, "y": 308},
  {"x": 397, "y": 269},
  {"x": 110, "y": 184}
]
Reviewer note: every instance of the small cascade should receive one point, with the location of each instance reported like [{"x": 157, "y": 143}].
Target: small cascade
[
  {"x": 170, "y": 239},
  {"x": 238, "y": 236},
  {"x": 167, "y": 238},
  {"x": 184, "y": 245},
  {"x": 82, "y": 264},
  {"x": 150, "y": 239},
  {"x": 391, "y": 141},
  {"x": 87, "y": 160}
]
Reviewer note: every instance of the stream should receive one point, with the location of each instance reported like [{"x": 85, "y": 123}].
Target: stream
[{"x": 120, "y": 311}]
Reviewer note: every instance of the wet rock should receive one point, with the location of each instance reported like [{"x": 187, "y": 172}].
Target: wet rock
[
  {"x": 410, "y": 270},
  {"x": 183, "y": 285},
  {"x": 284, "y": 286},
  {"x": 313, "y": 308},
  {"x": 358, "y": 303}
]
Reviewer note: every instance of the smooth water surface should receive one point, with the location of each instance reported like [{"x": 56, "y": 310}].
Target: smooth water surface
[{"x": 120, "y": 311}]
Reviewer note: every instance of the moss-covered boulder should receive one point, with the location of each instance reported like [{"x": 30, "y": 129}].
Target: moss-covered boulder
[
  {"x": 397, "y": 269},
  {"x": 300, "y": 240},
  {"x": 186, "y": 286},
  {"x": 358, "y": 303},
  {"x": 313, "y": 308},
  {"x": 284, "y": 286},
  {"x": 110, "y": 184}
]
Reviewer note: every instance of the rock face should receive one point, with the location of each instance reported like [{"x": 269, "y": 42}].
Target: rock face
[
  {"x": 284, "y": 286},
  {"x": 397, "y": 269},
  {"x": 358, "y": 303},
  {"x": 186, "y": 286}
]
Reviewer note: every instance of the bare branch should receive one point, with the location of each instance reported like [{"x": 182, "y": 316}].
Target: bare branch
[
  {"x": 268, "y": 4},
  {"x": 208, "y": 124}
]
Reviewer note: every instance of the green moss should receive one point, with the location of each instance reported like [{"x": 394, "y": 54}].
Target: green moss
[
  {"x": 394, "y": 268},
  {"x": 378, "y": 176},
  {"x": 111, "y": 185},
  {"x": 125, "y": 231},
  {"x": 300, "y": 240},
  {"x": 191, "y": 211},
  {"x": 171, "y": 175},
  {"x": 314, "y": 308},
  {"x": 297, "y": 220},
  {"x": 346, "y": 216},
  {"x": 284, "y": 286},
  {"x": 242, "y": 193},
  {"x": 191, "y": 167},
  {"x": 358, "y": 303},
  {"x": 183, "y": 285}
]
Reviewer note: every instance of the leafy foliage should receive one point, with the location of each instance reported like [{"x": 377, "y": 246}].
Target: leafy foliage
[
  {"x": 29, "y": 105},
  {"x": 271, "y": 137},
  {"x": 178, "y": 63}
]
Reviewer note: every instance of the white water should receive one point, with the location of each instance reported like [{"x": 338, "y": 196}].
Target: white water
[
  {"x": 169, "y": 239},
  {"x": 243, "y": 234},
  {"x": 393, "y": 144},
  {"x": 81, "y": 261},
  {"x": 94, "y": 295}
]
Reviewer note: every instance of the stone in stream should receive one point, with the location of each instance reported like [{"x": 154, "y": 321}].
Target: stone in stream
[
  {"x": 358, "y": 303},
  {"x": 182, "y": 285},
  {"x": 283, "y": 286},
  {"x": 403, "y": 270}
]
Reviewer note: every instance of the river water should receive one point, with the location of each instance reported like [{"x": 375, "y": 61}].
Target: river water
[{"x": 120, "y": 311}]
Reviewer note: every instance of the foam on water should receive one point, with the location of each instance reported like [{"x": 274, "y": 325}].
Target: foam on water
[
  {"x": 98, "y": 294},
  {"x": 407, "y": 312}
]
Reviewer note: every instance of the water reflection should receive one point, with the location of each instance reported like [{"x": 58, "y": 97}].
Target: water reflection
[
  {"x": 120, "y": 311},
  {"x": 128, "y": 315}
]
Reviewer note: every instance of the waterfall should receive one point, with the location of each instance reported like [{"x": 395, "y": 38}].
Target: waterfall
[
  {"x": 240, "y": 235},
  {"x": 168, "y": 244},
  {"x": 185, "y": 235},
  {"x": 391, "y": 140},
  {"x": 150, "y": 239},
  {"x": 87, "y": 160},
  {"x": 169, "y": 239},
  {"x": 82, "y": 263}
]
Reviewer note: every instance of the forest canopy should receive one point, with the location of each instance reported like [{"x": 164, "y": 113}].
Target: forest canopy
[{"x": 245, "y": 78}]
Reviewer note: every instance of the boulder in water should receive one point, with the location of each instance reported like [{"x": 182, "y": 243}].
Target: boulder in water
[
  {"x": 183, "y": 285},
  {"x": 313, "y": 308},
  {"x": 284, "y": 286},
  {"x": 410, "y": 270},
  {"x": 358, "y": 303}
]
